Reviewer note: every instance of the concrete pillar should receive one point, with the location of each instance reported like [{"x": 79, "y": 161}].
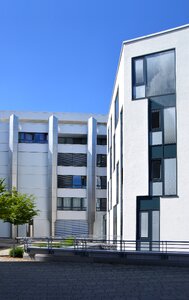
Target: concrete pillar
[
  {"x": 91, "y": 173},
  {"x": 52, "y": 171}
]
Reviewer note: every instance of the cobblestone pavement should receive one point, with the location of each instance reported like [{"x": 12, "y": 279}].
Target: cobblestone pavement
[{"x": 60, "y": 280}]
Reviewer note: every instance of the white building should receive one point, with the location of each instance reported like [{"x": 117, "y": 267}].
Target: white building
[
  {"x": 61, "y": 159},
  {"x": 148, "y": 144}
]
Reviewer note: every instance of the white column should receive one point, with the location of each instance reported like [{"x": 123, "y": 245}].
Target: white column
[
  {"x": 91, "y": 173},
  {"x": 52, "y": 171},
  {"x": 13, "y": 152}
]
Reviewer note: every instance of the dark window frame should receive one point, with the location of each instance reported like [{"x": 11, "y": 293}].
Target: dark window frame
[
  {"x": 102, "y": 204},
  {"x": 144, "y": 57},
  {"x": 82, "y": 207}
]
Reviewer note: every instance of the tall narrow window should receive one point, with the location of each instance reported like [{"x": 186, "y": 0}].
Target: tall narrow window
[
  {"x": 156, "y": 169},
  {"x": 114, "y": 153},
  {"x": 155, "y": 120},
  {"x": 117, "y": 183},
  {"x": 116, "y": 108}
]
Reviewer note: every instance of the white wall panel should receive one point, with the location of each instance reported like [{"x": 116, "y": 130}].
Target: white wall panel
[
  {"x": 71, "y": 215},
  {"x": 32, "y": 159},
  {"x": 4, "y": 158},
  {"x": 66, "y": 148},
  {"x": 33, "y": 127},
  {"x": 33, "y": 181},
  {"x": 72, "y": 171},
  {"x": 72, "y": 193},
  {"x": 72, "y": 129},
  {"x": 30, "y": 147}
]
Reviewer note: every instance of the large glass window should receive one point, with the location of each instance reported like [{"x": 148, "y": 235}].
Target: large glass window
[
  {"x": 154, "y": 75},
  {"x": 160, "y": 71}
]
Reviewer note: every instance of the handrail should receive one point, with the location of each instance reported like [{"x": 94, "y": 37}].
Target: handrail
[{"x": 87, "y": 243}]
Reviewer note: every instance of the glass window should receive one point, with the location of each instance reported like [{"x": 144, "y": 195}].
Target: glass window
[
  {"x": 33, "y": 137},
  {"x": 170, "y": 176},
  {"x": 101, "y": 204},
  {"x": 101, "y": 140},
  {"x": 139, "y": 91},
  {"x": 139, "y": 71},
  {"x": 160, "y": 69},
  {"x": 116, "y": 108},
  {"x": 154, "y": 75},
  {"x": 101, "y": 160},
  {"x": 155, "y": 121},
  {"x": 169, "y": 126},
  {"x": 66, "y": 203},
  {"x": 144, "y": 224},
  {"x": 156, "y": 169}
]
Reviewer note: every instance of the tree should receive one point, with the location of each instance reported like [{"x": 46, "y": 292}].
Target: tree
[{"x": 15, "y": 207}]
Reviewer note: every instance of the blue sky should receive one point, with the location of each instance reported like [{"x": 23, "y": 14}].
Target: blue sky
[{"x": 62, "y": 55}]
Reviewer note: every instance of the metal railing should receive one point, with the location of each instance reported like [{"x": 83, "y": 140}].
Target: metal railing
[{"x": 89, "y": 244}]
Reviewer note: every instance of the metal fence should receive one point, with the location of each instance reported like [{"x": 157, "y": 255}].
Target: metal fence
[{"x": 89, "y": 244}]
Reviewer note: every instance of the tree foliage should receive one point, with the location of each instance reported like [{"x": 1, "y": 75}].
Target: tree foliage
[{"x": 15, "y": 207}]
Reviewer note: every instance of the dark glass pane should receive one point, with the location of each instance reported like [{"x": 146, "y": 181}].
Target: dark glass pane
[
  {"x": 170, "y": 151},
  {"x": 156, "y": 152},
  {"x": 160, "y": 73},
  {"x": 156, "y": 169},
  {"x": 155, "y": 120}
]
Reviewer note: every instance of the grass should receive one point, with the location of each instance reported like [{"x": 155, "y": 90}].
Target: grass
[{"x": 65, "y": 243}]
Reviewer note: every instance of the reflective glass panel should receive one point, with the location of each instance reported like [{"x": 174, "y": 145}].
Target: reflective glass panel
[
  {"x": 170, "y": 176},
  {"x": 139, "y": 71},
  {"x": 155, "y": 225},
  {"x": 160, "y": 73},
  {"x": 144, "y": 224},
  {"x": 169, "y": 126},
  {"x": 139, "y": 91}
]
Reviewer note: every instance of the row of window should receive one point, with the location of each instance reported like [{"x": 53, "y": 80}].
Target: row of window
[
  {"x": 82, "y": 140},
  {"x": 80, "y": 160},
  {"x": 79, "y": 204},
  {"x": 33, "y": 137},
  {"x": 42, "y": 138},
  {"x": 79, "y": 182}
]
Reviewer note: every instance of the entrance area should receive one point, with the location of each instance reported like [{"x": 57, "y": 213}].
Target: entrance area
[{"x": 148, "y": 224}]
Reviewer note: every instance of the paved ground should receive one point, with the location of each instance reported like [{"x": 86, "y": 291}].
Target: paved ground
[{"x": 59, "y": 280}]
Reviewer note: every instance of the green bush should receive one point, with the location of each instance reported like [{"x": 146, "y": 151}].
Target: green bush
[
  {"x": 17, "y": 252},
  {"x": 69, "y": 241}
]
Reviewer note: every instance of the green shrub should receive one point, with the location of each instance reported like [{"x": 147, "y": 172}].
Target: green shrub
[
  {"x": 69, "y": 241},
  {"x": 17, "y": 252}
]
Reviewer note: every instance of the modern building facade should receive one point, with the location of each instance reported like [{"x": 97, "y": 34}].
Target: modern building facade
[
  {"x": 148, "y": 145},
  {"x": 60, "y": 158}
]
